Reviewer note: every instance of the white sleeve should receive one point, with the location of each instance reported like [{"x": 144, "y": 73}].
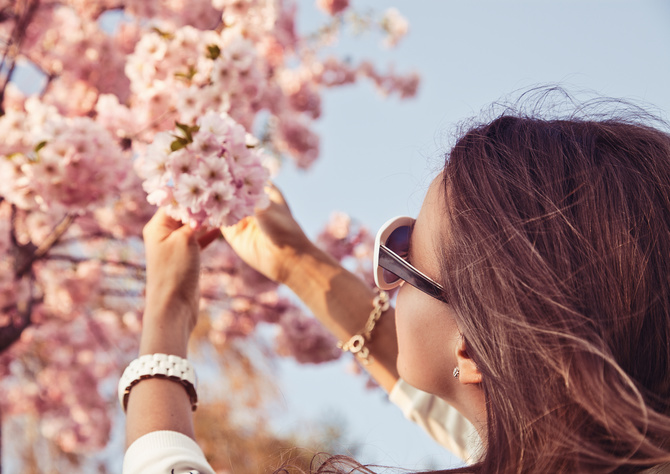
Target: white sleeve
[
  {"x": 165, "y": 452},
  {"x": 440, "y": 420}
]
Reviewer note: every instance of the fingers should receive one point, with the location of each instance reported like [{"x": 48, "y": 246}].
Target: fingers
[
  {"x": 208, "y": 237},
  {"x": 161, "y": 226},
  {"x": 276, "y": 199},
  {"x": 275, "y": 194}
]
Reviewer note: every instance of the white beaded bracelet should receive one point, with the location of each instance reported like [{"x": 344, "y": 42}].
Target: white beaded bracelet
[{"x": 163, "y": 366}]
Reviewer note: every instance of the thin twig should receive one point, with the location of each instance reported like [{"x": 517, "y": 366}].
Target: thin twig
[
  {"x": 118, "y": 263},
  {"x": 55, "y": 234},
  {"x": 26, "y": 255},
  {"x": 85, "y": 238}
]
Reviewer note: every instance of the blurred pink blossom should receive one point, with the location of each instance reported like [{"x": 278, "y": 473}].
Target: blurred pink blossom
[
  {"x": 333, "y": 7},
  {"x": 395, "y": 26},
  {"x": 305, "y": 339}
]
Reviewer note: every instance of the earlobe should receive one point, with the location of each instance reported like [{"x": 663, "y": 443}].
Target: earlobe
[{"x": 468, "y": 372}]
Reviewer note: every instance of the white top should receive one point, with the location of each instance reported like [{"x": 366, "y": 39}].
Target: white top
[
  {"x": 165, "y": 452},
  {"x": 440, "y": 420}
]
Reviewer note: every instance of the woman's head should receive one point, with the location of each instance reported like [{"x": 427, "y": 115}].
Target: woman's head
[{"x": 555, "y": 257}]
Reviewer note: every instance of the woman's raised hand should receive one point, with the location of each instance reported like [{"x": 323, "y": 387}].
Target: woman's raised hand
[
  {"x": 173, "y": 265},
  {"x": 271, "y": 241}
]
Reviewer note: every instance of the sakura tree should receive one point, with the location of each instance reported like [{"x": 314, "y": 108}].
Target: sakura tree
[{"x": 129, "y": 105}]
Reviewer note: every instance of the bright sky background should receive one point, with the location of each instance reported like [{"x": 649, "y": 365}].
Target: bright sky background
[{"x": 378, "y": 156}]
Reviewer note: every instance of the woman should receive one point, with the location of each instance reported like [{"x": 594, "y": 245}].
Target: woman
[{"x": 538, "y": 303}]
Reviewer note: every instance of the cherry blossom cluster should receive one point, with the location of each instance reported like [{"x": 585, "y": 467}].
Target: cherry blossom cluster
[
  {"x": 211, "y": 174},
  {"x": 305, "y": 339},
  {"x": 68, "y": 164},
  {"x": 349, "y": 243}
]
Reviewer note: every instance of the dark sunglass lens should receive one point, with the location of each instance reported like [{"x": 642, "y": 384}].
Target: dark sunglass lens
[
  {"x": 389, "y": 277},
  {"x": 398, "y": 241}
]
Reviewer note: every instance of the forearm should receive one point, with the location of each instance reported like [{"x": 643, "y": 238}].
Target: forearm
[
  {"x": 160, "y": 404},
  {"x": 343, "y": 302}
]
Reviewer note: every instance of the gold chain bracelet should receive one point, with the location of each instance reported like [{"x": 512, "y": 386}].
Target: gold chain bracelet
[{"x": 356, "y": 344}]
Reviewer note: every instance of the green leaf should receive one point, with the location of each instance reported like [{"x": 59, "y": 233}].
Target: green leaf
[
  {"x": 162, "y": 34},
  {"x": 213, "y": 51},
  {"x": 186, "y": 76},
  {"x": 40, "y": 145},
  {"x": 187, "y": 130},
  {"x": 178, "y": 144},
  {"x": 183, "y": 127}
]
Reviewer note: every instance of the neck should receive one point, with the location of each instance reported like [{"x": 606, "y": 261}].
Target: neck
[{"x": 470, "y": 401}]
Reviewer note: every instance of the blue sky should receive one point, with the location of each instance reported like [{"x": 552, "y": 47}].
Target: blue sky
[{"x": 378, "y": 155}]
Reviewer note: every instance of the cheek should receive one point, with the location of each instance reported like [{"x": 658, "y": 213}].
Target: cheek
[{"x": 427, "y": 337}]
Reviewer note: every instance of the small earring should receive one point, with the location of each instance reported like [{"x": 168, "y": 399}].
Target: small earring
[{"x": 457, "y": 372}]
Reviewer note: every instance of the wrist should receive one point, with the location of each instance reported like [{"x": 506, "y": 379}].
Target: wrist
[
  {"x": 159, "y": 339},
  {"x": 167, "y": 328},
  {"x": 174, "y": 302}
]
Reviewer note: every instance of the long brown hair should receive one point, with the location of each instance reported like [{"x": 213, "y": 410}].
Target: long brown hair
[{"x": 557, "y": 263}]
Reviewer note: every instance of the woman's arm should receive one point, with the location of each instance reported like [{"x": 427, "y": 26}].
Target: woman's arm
[
  {"x": 273, "y": 243},
  {"x": 171, "y": 311}
]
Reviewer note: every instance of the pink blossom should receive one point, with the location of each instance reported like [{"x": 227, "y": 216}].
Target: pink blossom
[
  {"x": 118, "y": 119},
  {"x": 240, "y": 54},
  {"x": 215, "y": 170},
  {"x": 214, "y": 98},
  {"x": 395, "y": 26},
  {"x": 406, "y": 86},
  {"x": 305, "y": 339},
  {"x": 333, "y": 72},
  {"x": 190, "y": 191},
  {"x": 333, "y": 7},
  {"x": 303, "y": 95},
  {"x": 298, "y": 140},
  {"x": 188, "y": 104},
  {"x": 128, "y": 214}
]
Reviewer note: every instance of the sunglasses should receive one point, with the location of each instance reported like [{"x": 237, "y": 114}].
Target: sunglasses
[{"x": 390, "y": 259}]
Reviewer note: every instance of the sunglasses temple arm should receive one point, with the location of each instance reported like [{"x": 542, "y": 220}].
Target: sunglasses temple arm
[{"x": 391, "y": 262}]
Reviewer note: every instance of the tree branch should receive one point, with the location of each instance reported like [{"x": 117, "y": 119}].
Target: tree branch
[
  {"x": 55, "y": 234},
  {"x": 26, "y": 255},
  {"x": 122, "y": 293},
  {"x": 12, "y": 332},
  {"x": 14, "y": 46},
  {"x": 84, "y": 238},
  {"x": 73, "y": 259}
]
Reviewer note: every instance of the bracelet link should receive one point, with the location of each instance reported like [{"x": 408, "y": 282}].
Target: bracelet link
[{"x": 356, "y": 344}]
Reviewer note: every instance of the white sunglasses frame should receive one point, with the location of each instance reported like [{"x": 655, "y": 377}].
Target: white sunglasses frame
[{"x": 386, "y": 259}]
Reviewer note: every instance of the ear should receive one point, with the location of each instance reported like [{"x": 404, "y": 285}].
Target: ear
[{"x": 468, "y": 371}]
